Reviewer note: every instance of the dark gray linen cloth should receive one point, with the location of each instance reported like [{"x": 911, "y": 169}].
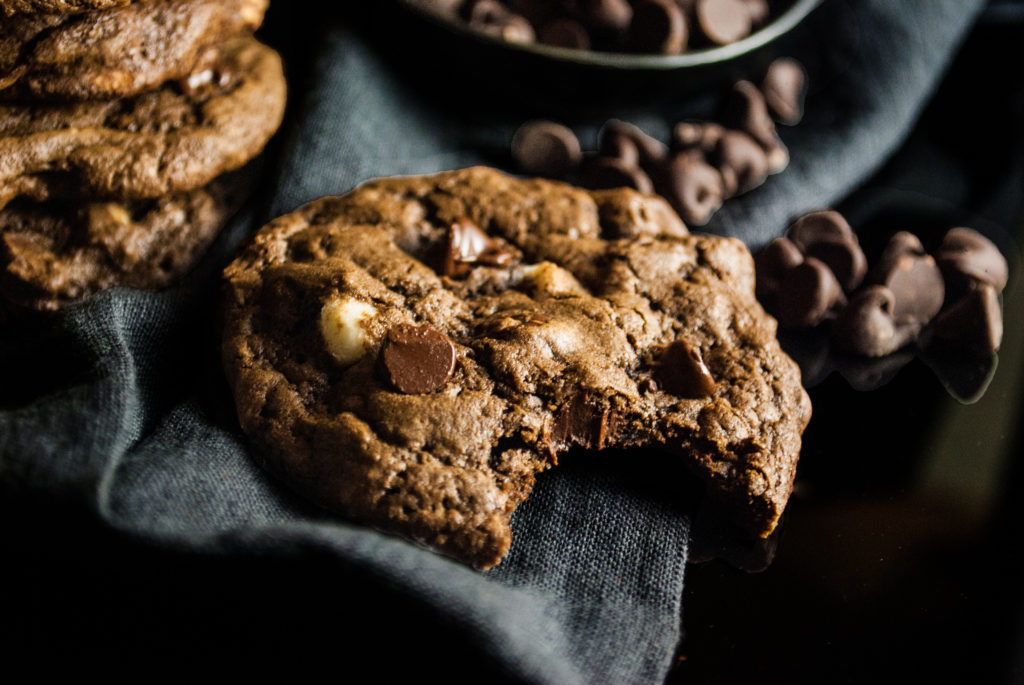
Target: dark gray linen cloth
[{"x": 117, "y": 406}]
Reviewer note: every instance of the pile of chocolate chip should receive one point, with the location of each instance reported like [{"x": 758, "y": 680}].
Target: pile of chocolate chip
[
  {"x": 706, "y": 162},
  {"x": 659, "y": 27},
  {"x": 817, "y": 274}
]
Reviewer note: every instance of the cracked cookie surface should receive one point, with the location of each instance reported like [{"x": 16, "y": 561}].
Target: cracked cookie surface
[
  {"x": 149, "y": 145},
  {"x": 13, "y": 7},
  {"x": 119, "y": 52},
  {"x": 414, "y": 353},
  {"x": 54, "y": 253}
]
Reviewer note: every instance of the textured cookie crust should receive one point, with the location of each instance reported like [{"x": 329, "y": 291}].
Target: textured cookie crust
[
  {"x": 58, "y": 252},
  {"x": 155, "y": 143},
  {"x": 11, "y": 7},
  {"x": 117, "y": 53},
  {"x": 561, "y": 346}
]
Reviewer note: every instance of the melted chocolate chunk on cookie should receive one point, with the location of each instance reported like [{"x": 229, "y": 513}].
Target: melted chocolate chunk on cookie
[
  {"x": 418, "y": 359},
  {"x": 425, "y": 404},
  {"x": 468, "y": 245}
]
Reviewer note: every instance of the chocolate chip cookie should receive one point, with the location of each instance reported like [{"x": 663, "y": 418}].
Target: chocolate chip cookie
[
  {"x": 119, "y": 52},
  {"x": 55, "y": 252},
  {"x": 162, "y": 141},
  {"x": 414, "y": 353},
  {"x": 12, "y": 7}
]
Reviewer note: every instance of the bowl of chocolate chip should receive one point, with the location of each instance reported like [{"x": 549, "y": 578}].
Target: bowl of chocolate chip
[{"x": 601, "y": 49}]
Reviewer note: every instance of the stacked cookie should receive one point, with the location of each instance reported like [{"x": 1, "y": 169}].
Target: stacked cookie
[{"x": 120, "y": 126}]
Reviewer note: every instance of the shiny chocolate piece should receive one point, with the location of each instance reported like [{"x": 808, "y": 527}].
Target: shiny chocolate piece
[
  {"x": 827, "y": 236},
  {"x": 694, "y": 188},
  {"x": 844, "y": 257},
  {"x": 608, "y": 15},
  {"x": 658, "y": 27},
  {"x": 967, "y": 258},
  {"x": 820, "y": 225},
  {"x": 578, "y": 423},
  {"x": 495, "y": 19},
  {"x": 771, "y": 265},
  {"x": 610, "y": 172},
  {"x": 467, "y": 244},
  {"x": 620, "y": 147},
  {"x": 746, "y": 109},
  {"x": 683, "y": 373},
  {"x": 741, "y": 161},
  {"x": 784, "y": 87},
  {"x": 697, "y": 135},
  {"x": 759, "y": 11},
  {"x": 723, "y": 21},
  {"x": 546, "y": 148},
  {"x": 652, "y": 152},
  {"x": 419, "y": 359},
  {"x": 809, "y": 295},
  {"x": 913, "y": 278},
  {"x": 866, "y": 326},
  {"x": 974, "y": 322}
]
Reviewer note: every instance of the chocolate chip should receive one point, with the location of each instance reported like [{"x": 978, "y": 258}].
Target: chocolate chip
[
  {"x": 759, "y": 11},
  {"x": 966, "y": 258},
  {"x": 746, "y": 109},
  {"x": 866, "y": 325},
  {"x": 827, "y": 236},
  {"x": 723, "y": 21},
  {"x": 974, "y": 322},
  {"x": 809, "y": 294},
  {"x": 693, "y": 188},
  {"x": 784, "y": 87},
  {"x": 771, "y": 265},
  {"x": 912, "y": 276},
  {"x": 658, "y": 27},
  {"x": 778, "y": 156},
  {"x": 546, "y": 148},
  {"x": 564, "y": 32},
  {"x": 494, "y": 19},
  {"x": 741, "y": 161},
  {"x": 620, "y": 147},
  {"x": 608, "y": 15},
  {"x": 467, "y": 244},
  {"x": 652, "y": 152},
  {"x": 819, "y": 225},
  {"x": 578, "y": 423},
  {"x": 608, "y": 172},
  {"x": 418, "y": 358},
  {"x": 844, "y": 258},
  {"x": 700, "y": 135},
  {"x": 683, "y": 373}
]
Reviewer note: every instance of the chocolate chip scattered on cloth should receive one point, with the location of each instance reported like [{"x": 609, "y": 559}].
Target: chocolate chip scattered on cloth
[
  {"x": 115, "y": 409},
  {"x": 375, "y": 381}
]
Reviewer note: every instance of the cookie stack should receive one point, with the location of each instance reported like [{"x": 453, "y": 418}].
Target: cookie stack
[{"x": 122, "y": 125}]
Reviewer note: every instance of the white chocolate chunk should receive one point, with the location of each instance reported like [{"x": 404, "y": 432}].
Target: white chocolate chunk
[
  {"x": 551, "y": 279},
  {"x": 343, "y": 326}
]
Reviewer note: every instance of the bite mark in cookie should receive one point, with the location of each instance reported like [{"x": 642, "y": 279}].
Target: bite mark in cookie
[{"x": 610, "y": 327}]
